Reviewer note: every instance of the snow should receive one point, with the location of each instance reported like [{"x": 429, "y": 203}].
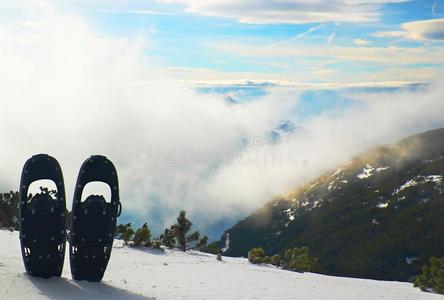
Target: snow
[
  {"x": 290, "y": 213},
  {"x": 410, "y": 260},
  {"x": 436, "y": 179},
  {"x": 135, "y": 274},
  {"x": 369, "y": 171},
  {"x": 366, "y": 172},
  {"x": 339, "y": 170},
  {"x": 433, "y": 160},
  {"x": 382, "y": 205},
  {"x": 314, "y": 184},
  {"x": 423, "y": 200},
  {"x": 227, "y": 243},
  {"x": 317, "y": 202},
  {"x": 382, "y": 169}
]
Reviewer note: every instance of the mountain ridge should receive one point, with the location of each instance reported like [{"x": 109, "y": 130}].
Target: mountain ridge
[{"x": 377, "y": 216}]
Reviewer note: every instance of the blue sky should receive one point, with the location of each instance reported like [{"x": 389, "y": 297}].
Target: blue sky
[{"x": 333, "y": 43}]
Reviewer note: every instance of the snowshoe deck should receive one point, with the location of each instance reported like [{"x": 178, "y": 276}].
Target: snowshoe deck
[
  {"x": 93, "y": 221},
  {"x": 42, "y": 218}
]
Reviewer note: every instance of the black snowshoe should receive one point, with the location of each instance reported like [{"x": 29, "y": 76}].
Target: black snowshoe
[
  {"x": 93, "y": 221},
  {"x": 42, "y": 218}
]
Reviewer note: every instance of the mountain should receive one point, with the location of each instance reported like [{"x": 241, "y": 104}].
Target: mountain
[
  {"x": 284, "y": 129},
  {"x": 142, "y": 274},
  {"x": 230, "y": 100},
  {"x": 379, "y": 216}
]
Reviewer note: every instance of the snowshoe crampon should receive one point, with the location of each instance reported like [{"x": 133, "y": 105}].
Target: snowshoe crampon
[
  {"x": 42, "y": 218},
  {"x": 93, "y": 221}
]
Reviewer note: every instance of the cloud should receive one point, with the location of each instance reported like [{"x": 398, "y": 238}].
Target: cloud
[
  {"x": 361, "y": 42},
  {"x": 404, "y": 55},
  {"x": 389, "y": 34},
  {"x": 331, "y": 38},
  {"x": 330, "y": 139},
  {"x": 432, "y": 29},
  {"x": 71, "y": 91},
  {"x": 293, "y": 11},
  {"x": 425, "y": 30},
  {"x": 297, "y": 37}
]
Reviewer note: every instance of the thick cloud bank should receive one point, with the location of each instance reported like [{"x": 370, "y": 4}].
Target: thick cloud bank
[{"x": 70, "y": 91}]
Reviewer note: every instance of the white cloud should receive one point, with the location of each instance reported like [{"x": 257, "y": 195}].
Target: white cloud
[
  {"x": 389, "y": 34},
  {"x": 292, "y": 11},
  {"x": 361, "y": 42},
  {"x": 330, "y": 139},
  {"x": 404, "y": 55},
  {"x": 331, "y": 38},
  {"x": 432, "y": 29},
  {"x": 425, "y": 30},
  {"x": 324, "y": 72},
  {"x": 71, "y": 92}
]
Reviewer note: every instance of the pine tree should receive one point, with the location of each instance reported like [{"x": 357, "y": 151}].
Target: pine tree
[
  {"x": 202, "y": 244},
  {"x": 127, "y": 235},
  {"x": 212, "y": 248},
  {"x": 195, "y": 236},
  {"x": 432, "y": 276},
  {"x": 8, "y": 210},
  {"x": 256, "y": 255},
  {"x": 121, "y": 229},
  {"x": 298, "y": 259},
  {"x": 168, "y": 238},
  {"x": 181, "y": 229},
  {"x": 142, "y": 237}
]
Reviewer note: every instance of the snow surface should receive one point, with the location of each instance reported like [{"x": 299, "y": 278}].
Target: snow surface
[
  {"x": 382, "y": 205},
  {"x": 369, "y": 171},
  {"x": 436, "y": 179},
  {"x": 135, "y": 274}
]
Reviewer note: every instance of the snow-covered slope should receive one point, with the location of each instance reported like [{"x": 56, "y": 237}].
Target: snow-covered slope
[
  {"x": 375, "y": 216},
  {"x": 146, "y": 274}
]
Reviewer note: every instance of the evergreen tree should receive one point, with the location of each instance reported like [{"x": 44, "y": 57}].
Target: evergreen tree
[
  {"x": 181, "y": 229},
  {"x": 168, "y": 238},
  {"x": 121, "y": 229},
  {"x": 128, "y": 235},
  {"x": 298, "y": 259},
  {"x": 142, "y": 237},
  {"x": 256, "y": 255},
  {"x": 202, "y": 244},
  {"x": 8, "y": 210},
  {"x": 212, "y": 248},
  {"x": 275, "y": 260},
  {"x": 195, "y": 236},
  {"x": 157, "y": 244},
  {"x": 432, "y": 276}
]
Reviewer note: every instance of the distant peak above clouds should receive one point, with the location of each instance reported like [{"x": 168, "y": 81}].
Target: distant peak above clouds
[{"x": 291, "y": 11}]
